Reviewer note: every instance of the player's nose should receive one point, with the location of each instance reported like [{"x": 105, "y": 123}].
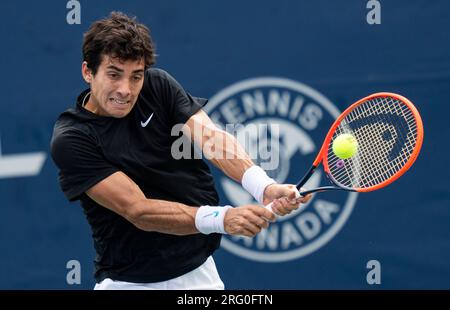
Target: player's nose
[{"x": 124, "y": 89}]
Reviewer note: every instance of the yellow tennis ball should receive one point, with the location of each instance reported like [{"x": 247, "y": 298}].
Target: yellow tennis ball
[{"x": 345, "y": 146}]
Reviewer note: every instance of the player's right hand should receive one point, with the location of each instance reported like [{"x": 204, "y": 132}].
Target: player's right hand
[{"x": 247, "y": 220}]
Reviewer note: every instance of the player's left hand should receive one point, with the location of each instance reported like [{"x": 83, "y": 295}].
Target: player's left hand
[{"x": 285, "y": 198}]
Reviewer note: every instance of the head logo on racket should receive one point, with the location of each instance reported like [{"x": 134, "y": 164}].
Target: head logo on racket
[{"x": 281, "y": 124}]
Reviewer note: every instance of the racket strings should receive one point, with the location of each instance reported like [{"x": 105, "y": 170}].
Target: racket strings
[
  {"x": 386, "y": 131},
  {"x": 377, "y": 154},
  {"x": 377, "y": 151}
]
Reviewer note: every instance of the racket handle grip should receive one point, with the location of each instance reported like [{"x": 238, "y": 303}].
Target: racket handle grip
[
  {"x": 269, "y": 206},
  {"x": 298, "y": 195}
]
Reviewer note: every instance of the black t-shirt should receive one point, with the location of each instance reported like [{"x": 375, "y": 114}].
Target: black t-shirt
[{"x": 88, "y": 148}]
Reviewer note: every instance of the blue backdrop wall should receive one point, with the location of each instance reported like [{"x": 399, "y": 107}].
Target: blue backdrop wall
[{"x": 322, "y": 52}]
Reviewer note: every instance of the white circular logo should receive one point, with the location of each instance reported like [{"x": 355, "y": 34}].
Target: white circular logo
[{"x": 297, "y": 119}]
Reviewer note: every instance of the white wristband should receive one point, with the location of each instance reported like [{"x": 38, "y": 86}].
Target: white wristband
[
  {"x": 255, "y": 180},
  {"x": 210, "y": 219}
]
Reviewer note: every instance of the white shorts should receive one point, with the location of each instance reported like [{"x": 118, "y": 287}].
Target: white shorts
[{"x": 205, "y": 277}]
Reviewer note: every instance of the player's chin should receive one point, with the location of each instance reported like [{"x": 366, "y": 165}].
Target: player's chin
[{"x": 120, "y": 112}]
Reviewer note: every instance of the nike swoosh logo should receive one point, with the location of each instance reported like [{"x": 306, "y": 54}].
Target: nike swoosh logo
[
  {"x": 214, "y": 214},
  {"x": 144, "y": 124}
]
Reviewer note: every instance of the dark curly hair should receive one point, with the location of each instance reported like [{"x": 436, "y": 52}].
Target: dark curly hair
[{"x": 118, "y": 36}]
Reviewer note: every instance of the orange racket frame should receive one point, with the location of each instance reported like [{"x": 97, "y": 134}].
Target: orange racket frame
[{"x": 321, "y": 157}]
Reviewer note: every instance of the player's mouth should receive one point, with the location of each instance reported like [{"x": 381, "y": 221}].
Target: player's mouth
[{"x": 119, "y": 102}]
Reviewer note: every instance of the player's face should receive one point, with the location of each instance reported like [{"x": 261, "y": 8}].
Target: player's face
[{"x": 115, "y": 87}]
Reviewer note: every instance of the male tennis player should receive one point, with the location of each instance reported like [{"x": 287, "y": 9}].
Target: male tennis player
[{"x": 155, "y": 220}]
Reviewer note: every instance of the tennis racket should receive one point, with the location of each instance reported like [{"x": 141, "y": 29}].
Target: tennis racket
[{"x": 389, "y": 134}]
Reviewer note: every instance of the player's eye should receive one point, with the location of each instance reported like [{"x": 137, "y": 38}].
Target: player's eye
[
  {"x": 113, "y": 75},
  {"x": 137, "y": 78}
]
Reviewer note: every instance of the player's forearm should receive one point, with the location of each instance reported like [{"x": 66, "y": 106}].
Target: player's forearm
[
  {"x": 164, "y": 216},
  {"x": 218, "y": 146},
  {"x": 225, "y": 152}
]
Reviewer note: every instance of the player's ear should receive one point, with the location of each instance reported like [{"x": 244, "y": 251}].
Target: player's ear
[{"x": 86, "y": 72}]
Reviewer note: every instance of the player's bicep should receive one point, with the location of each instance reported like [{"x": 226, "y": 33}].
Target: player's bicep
[{"x": 118, "y": 193}]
